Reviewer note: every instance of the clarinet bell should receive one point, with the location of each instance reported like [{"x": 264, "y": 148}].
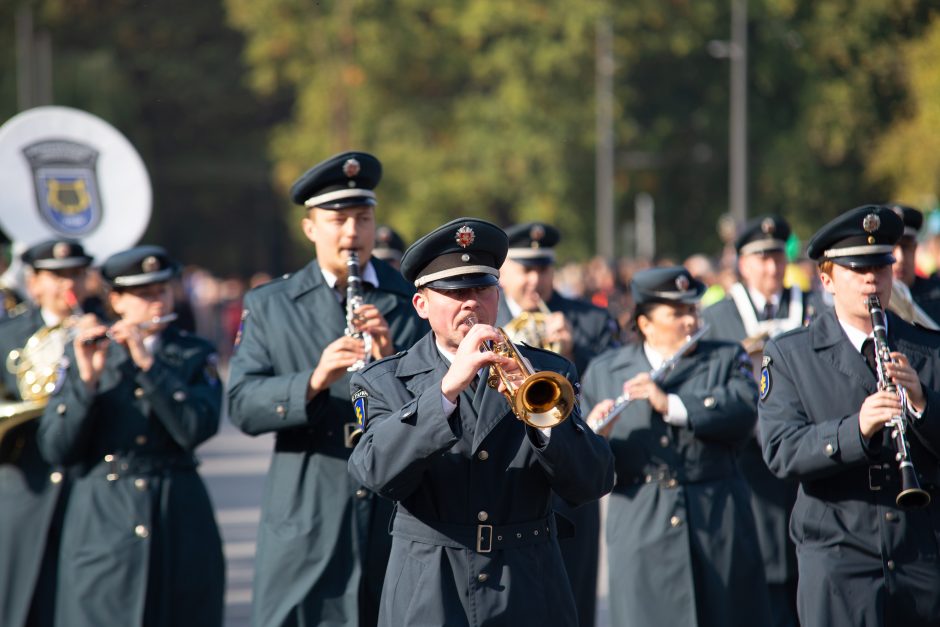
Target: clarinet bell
[{"x": 911, "y": 496}]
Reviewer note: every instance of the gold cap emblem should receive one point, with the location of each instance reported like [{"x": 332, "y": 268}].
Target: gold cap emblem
[
  {"x": 150, "y": 264},
  {"x": 536, "y": 233},
  {"x": 61, "y": 250},
  {"x": 465, "y": 236}
]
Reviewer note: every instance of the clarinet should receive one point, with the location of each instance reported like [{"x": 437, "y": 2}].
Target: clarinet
[
  {"x": 911, "y": 496},
  {"x": 657, "y": 375},
  {"x": 353, "y": 302}
]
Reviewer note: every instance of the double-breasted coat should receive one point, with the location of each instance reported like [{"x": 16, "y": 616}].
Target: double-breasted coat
[
  {"x": 140, "y": 545},
  {"x": 32, "y": 498},
  {"x": 323, "y": 539},
  {"x": 474, "y": 534},
  {"x": 772, "y": 498},
  {"x": 862, "y": 560},
  {"x": 682, "y": 547},
  {"x": 593, "y": 331}
]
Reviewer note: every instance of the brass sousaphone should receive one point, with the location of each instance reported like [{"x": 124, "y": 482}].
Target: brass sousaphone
[{"x": 65, "y": 174}]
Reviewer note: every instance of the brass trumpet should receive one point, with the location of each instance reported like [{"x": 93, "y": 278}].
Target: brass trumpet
[{"x": 539, "y": 399}]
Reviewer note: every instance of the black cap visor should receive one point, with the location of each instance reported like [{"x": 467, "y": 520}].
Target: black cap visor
[
  {"x": 463, "y": 282},
  {"x": 864, "y": 261}
]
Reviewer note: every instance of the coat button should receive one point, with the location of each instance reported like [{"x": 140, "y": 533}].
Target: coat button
[
  {"x": 648, "y": 478},
  {"x": 482, "y": 516},
  {"x": 830, "y": 449},
  {"x": 179, "y": 396},
  {"x": 138, "y": 392},
  {"x": 140, "y": 484},
  {"x": 109, "y": 458},
  {"x": 891, "y": 516},
  {"x": 140, "y": 440},
  {"x": 675, "y": 521},
  {"x": 362, "y": 493},
  {"x": 141, "y": 531},
  {"x": 709, "y": 402},
  {"x": 56, "y": 477},
  {"x": 482, "y": 577},
  {"x": 672, "y": 483},
  {"x": 281, "y": 410},
  {"x": 890, "y": 564},
  {"x": 483, "y": 456},
  {"x": 664, "y": 441},
  {"x": 60, "y": 408}
]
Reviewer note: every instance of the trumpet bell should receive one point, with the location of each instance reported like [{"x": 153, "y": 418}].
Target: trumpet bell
[{"x": 543, "y": 399}]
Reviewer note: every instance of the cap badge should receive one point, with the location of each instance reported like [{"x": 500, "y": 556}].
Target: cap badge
[
  {"x": 384, "y": 234},
  {"x": 536, "y": 233},
  {"x": 465, "y": 236},
  {"x": 768, "y": 227},
  {"x": 150, "y": 264},
  {"x": 871, "y": 223},
  {"x": 465, "y": 257},
  {"x": 61, "y": 250},
  {"x": 682, "y": 283},
  {"x": 351, "y": 168}
]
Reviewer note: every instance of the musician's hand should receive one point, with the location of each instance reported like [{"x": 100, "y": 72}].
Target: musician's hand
[
  {"x": 469, "y": 360},
  {"x": 90, "y": 358},
  {"x": 597, "y": 415},
  {"x": 642, "y": 386},
  {"x": 904, "y": 375},
  {"x": 558, "y": 330},
  {"x": 335, "y": 359},
  {"x": 129, "y": 335},
  {"x": 369, "y": 319},
  {"x": 877, "y": 409}
]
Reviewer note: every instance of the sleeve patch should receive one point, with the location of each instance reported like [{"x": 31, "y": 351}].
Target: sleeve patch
[
  {"x": 765, "y": 383},
  {"x": 360, "y": 399}
]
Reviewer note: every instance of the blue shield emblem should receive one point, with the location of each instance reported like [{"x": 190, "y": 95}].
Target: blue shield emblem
[
  {"x": 66, "y": 184},
  {"x": 360, "y": 407}
]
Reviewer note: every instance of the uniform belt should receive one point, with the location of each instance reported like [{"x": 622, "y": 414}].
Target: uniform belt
[
  {"x": 334, "y": 442},
  {"x": 669, "y": 477},
  {"x": 481, "y": 538},
  {"x": 113, "y": 466}
]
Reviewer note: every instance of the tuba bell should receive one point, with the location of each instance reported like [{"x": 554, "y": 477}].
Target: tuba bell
[{"x": 539, "y": 399}]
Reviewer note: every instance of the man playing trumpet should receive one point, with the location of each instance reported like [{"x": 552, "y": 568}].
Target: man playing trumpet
[
  {"x": 474, "y": 536},
  {"x": 862, "y": 559}
]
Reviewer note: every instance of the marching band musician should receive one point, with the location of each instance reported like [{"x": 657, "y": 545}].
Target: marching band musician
[
  {"x": 862, "y": 559},
  {"x": 32, "y": 493},
  {"x": 323, "y": 539},
  {"x": 925, "y": 291},
  {"x": 759, "y": 307},
  {"x": 579, "y": 331},
  {"x": 474, "y": 536},
  {"x": 682, "y": 547},
  {"x": 140, "y": 545}
]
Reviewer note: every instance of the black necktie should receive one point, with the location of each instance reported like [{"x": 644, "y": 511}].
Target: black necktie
[
  {"x": 868, "y": 351},
  {"x": 768, "y": 313}
]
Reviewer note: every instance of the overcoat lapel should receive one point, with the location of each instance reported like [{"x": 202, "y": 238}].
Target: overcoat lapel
[
  {"x": 830, "y": 341},
  {"x": 493, "y": 408},
  {"x": 309, "y": 288}
]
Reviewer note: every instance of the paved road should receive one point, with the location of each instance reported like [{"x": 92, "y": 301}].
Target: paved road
[{"x": 234, "y": 466}]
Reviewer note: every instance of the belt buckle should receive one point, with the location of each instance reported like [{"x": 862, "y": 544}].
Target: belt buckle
[
  {"x": 351, "y": 434},
  {"x": 484, "y": 536},
  {"x": 875, "y": 477}
]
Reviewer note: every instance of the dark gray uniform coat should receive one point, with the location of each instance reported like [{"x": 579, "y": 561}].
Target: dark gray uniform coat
[
  {"x": 862, "y": 560},
  {"x": 771, "y": 498},
  {"x": 474, "y": 534},
  {"x": 323, "y": 540},
  {"x": 682, "y": 548},
  {"x": 32, "y": 497},
  {"x": 926, "y": 293},
  {"x": 140, "y": 545},
  {"x": 593, "y": 331}
]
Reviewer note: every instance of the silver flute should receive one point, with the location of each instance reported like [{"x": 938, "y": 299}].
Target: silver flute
[
  {"x": 354, "y": 301},
  {"x": 143, "y": 326},
  {"x": 657, "y": 375}
]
